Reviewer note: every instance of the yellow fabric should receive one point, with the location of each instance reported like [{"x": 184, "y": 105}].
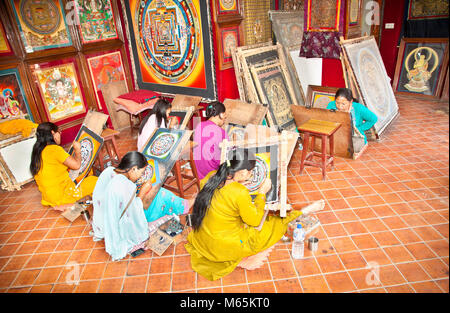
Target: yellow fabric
[
  {"x": 54, "y": 182},
  {"x": 18, "y": 125},
  {"x": 227, "y": 234}
]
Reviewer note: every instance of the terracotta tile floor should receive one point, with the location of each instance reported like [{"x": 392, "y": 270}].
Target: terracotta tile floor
[{"x": 384, "y": 229}]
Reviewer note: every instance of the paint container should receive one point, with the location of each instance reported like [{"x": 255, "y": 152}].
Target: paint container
[{"x": 313, "y": 243}]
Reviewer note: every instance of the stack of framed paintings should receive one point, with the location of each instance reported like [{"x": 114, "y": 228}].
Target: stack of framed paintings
[
  {"x": 369, "y": 80},
  {"x": 421, "y": 66},
  {"x": 165, "y": 147},
  {"x": 272, "y": 155}
]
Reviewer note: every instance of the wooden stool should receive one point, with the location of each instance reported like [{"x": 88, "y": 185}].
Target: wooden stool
[
  {"x": 109, "y": 150},
  {"x": 324, "y": 130},
  {"x": 178, "y": 175}
]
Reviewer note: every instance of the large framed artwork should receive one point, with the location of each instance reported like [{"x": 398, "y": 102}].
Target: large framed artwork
[
  {"x": 91, "y": 143},
  {"x": 104, "y": 69},
  {"x": 58, "y": 89},
  {"x": 171, "y": 46},
  {"x": 426, "y": 9},
  {"x": 257, "y": 28},
  {"x": 372, "y": 80},
  {"x": 13, "y": 99},
  {"x": 323, "y": 15},
  {"x": 288, "y": 28},
  {"x": 229, "y": 39},
  {"x": 274, "y": 90},
  {"x": 353, "y": 19},
  {"x": 320, "y": 96},
  {"x": 42, "y": 24},
  {"x": 421, "y": 66},
  {"x": 96, "y": 20}
]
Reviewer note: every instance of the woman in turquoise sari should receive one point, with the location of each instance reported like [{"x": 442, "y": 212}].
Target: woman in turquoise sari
[
  {"x": 363, "y": 118},
  {"x": 124, "y": 219}
]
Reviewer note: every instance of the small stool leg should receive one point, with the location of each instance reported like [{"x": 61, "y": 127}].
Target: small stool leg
[
  {"x": 178, "y": 178},
  {"x": 332, "y": 150},
  {"x": 305, "y": 151},
  {"x": 324, "y": 156},
  {"x": 194, "y": 168}
]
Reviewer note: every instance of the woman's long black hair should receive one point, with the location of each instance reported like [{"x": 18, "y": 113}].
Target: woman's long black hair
[
  {"x": 44, "y": 137},
  {"x": 214, "y": 109},
  {"x": 241, "y": 159},
  {"x": 160, "y": 110},
  {"x": 346, "y": 93},
  {"x": 131, "y": 159}
]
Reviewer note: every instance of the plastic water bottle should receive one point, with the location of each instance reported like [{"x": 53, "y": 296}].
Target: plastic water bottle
[{"x": 298, "y": 246}]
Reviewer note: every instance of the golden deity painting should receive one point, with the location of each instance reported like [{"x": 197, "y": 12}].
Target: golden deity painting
[{"x": 421, "y": 71}]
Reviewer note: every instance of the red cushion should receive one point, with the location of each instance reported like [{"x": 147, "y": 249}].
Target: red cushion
[{"x": 140, "y": 96}]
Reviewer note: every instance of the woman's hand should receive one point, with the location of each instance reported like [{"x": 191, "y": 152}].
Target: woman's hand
[
  {"x": 76, "y": 147},
  {"x": 146, "y": 187},
  {"x": 265, "y": 186}
]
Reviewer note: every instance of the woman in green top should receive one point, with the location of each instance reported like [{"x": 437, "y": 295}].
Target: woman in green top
[{"x": 362, "y": 117}]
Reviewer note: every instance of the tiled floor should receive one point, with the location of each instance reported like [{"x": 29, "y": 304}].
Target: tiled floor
[{"x": 386, "y": 216}]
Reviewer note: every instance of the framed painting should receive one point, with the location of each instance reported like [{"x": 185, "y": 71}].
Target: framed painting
[
  {"x": 42, "y": 24},
  {"x": 171, "y": 46},
  {"x": 353, "y": 19},
  {"x": 257, "y": 28},
  {"x": 161, "y": 144},
  {"x": 288, "y": 28},
  {"x": 319, "y": 96},
  {"x": 242, "y": 113},
  {"x": 96, "y": 20},
  {"x": 292, "y": 5},
  {"x": 13, "y": 100},
  {"x": 104, "y": 69},
  {"x": 323, "y": 15},
  {"x": 372, "y": 81},
  {"x": 91, "y": 143},
  {"x": 183, "y": 115},
  {"x": 229, "y": 39},
  {"x": 426, "y": 9},
  {"x": 421, "y": 66},
  {"x": 274, "y": 90},
  {"x": 226, "y": 8},
  {"x": 58, "y": 89},
  {"x": 5, "y": 47}
]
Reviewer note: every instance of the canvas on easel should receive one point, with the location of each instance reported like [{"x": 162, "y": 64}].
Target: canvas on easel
[{"x": 183, "y": 115}]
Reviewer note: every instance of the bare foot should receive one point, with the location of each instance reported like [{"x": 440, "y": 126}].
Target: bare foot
[
  {"x": 313, "y": 207},
  {"x": 62, "y": 207}
]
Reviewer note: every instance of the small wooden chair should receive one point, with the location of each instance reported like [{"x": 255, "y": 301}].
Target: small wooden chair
[
  {"x": 109, "y": 150},
  {"x": 324, "y": 130}
]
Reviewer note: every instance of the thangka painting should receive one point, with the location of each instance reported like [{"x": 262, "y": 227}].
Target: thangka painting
[
  {"x": 256, "y": 22},
  {"x": 274, "y": 90},
  {"x": 96, "y": 20},
  {"x": 171, "y": 45},
  {"x": 353, "y": 19},
  {"x": 227, "y": 7},
  {"x": 288, "y": 28},
  {"x": 323, "y": 15},
  {"x": 374, "y": 84},
  {"x": 5, "y": 48},
  {"x": 13, "y": 102},
  {"x": 151, "y": 174},
  {"x": 60, "y": 91},
  {"x": 229, "y": 39},
  {"x": 91, "y": 143},
  {"x": 427, "y": 9},
  {"x": 292, "y": 5},
  {"x": 421, "y": 66},
  {"x": 42, "y": 24},
  {"x": 320, "y": 97},
  {"x": 161, "y": 144},
  {"x": 104, "y": 69}
]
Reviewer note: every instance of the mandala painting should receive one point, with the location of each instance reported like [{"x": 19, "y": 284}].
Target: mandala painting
[
  {"x": 151, "y": 174},
  {"x": 41, "y": 24},
  {"x": 60, "y": 90},
  {"x": 96, "y": 20},
  {"x": 162, "y": 144},
  {"x": 227, "y": 7},
  {"x": 171, "y": 46},
  {"x": 13, "y": 102},
  {"x": 91, "y": 143},
  {"x": 260, "y": 172}
]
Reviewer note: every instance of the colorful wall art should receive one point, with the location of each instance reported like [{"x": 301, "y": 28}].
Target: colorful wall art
[
  {"x": 60, "y": 91},
  {"x": 427, "y": 9},
  {"x": 323, "y": 15},
  {"x": 171, "y": 45},
  {"x": 319, "y": 96},
  {"x": 13, "y": 102},
  {"x": 42, "y": 24},
  {"x": 161, "y": 144},
  {"x": 96, "y": 20}
]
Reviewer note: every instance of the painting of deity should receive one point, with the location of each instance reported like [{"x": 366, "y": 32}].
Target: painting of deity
[
  {"x": 41, "y": 24},
  {"x": 96, "y": 20},
  {"x": 288, "y": 28},
  {"x": 171, "y": 45},
  {"x": 60, "y": 91},
  {"x": 229, "y": 40},
  {"x": 13, "y": 102},
  {"x": 104, "y": 69},
  {"x": 323, "y": 15}
]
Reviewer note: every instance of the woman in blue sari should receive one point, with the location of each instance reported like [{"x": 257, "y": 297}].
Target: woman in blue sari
[{"x": 124, "y": 219}]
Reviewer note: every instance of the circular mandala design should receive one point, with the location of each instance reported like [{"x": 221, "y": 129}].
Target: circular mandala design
[
  {"x": 148, "y": 173},
  {"x": 41, "y": 16},
  {"x": 228, "y": 4},
  {"x": 260, "y": 173},
  {"x": 87, "y": 149},
  {"x": 169, "y": 38},
  {"x": 162, "y": 145}
]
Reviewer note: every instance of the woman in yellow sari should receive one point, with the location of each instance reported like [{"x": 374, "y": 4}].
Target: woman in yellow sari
[
  {"x": 49, "y": 166},
  {"x": 224, "y": 219}
]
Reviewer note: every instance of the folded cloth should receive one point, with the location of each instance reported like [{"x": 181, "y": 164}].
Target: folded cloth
[
  {"x": 133, "y": 107},
  {"x": 140, "y": 96},
  {"x": 17, "y": 125}
]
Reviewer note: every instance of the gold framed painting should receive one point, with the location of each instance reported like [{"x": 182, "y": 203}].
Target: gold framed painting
[{"x": 320, "y": 96}]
